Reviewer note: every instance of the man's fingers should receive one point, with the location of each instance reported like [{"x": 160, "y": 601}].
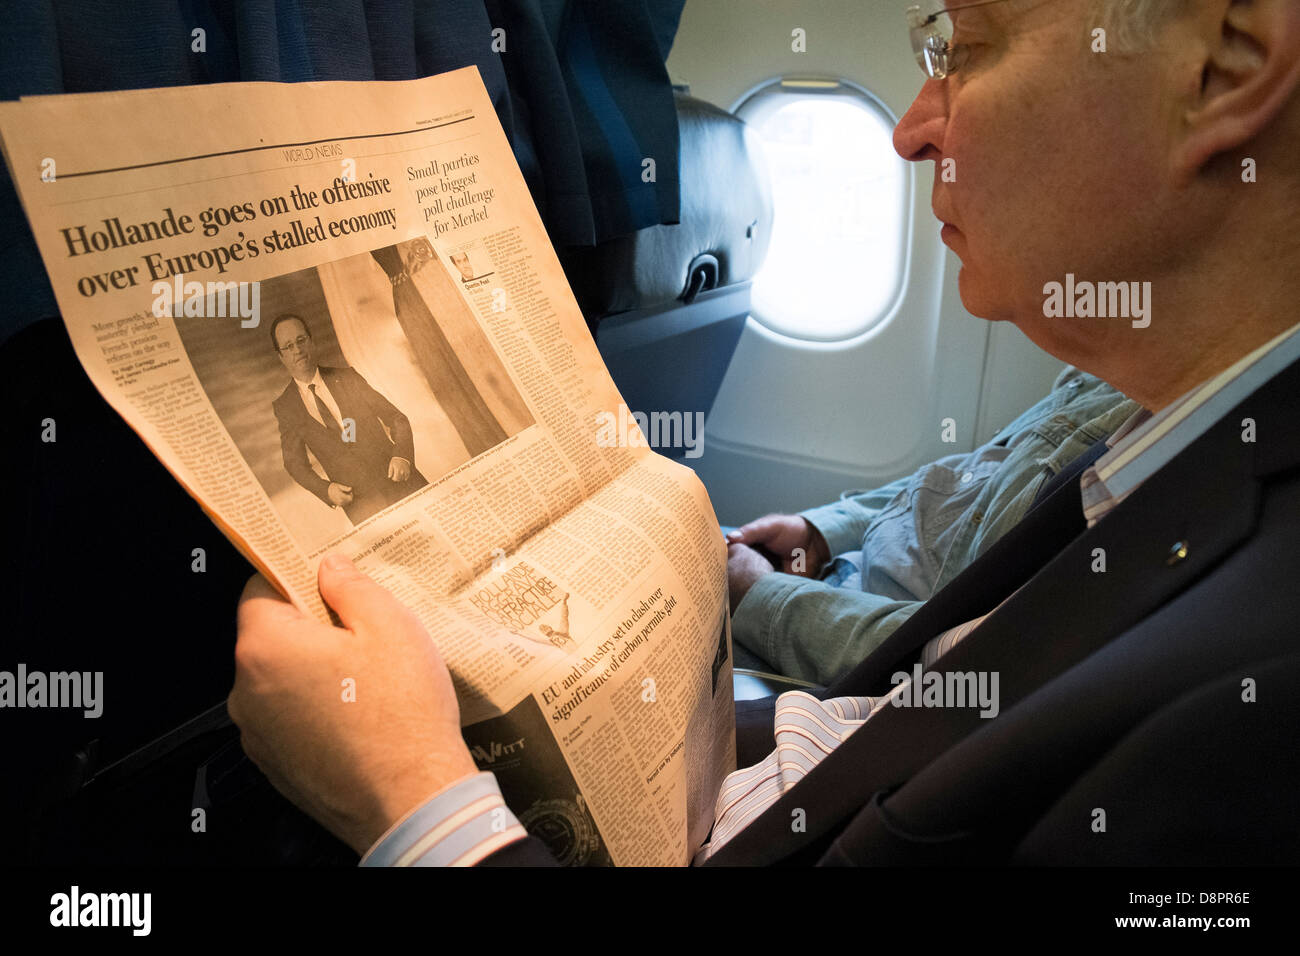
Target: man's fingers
[
  {"x": 258, "y": 586},
  {"x": 757, "y": 530},
  {"x": 744, "y": 556},
  {"x": 751, "y": 532},
  {"x": 261, "y": 603},
  {"x": 353, "y": 595},
  {"x": 266, "y": 624}
]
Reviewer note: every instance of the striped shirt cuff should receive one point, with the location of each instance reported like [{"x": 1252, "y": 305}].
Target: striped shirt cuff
[{"x": 458, "y": 826}]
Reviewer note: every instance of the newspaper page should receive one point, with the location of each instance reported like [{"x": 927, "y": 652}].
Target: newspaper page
[{"x": 332, "y": 311}]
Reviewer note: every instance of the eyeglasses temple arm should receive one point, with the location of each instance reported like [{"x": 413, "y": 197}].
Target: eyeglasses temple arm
[{"x": 961, "y": 6}]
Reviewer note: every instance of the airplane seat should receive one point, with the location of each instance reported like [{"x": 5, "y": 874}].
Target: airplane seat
[{"x": 667, "y": 304}]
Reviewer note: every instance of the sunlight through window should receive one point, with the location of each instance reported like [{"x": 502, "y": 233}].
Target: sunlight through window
[{"x": 834, "y": 267}]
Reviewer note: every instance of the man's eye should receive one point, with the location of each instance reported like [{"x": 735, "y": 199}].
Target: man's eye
[
  {"x": 959, "y": 54},
  {"x": 966, "y": 52}
]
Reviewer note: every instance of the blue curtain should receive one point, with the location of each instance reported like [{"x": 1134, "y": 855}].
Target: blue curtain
[{"x": 580, "y": 87}]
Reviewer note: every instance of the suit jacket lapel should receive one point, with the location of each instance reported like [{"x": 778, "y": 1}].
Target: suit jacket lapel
[
  {"x": 338, "y": 389},
  {"x": 297, "y": 407}
]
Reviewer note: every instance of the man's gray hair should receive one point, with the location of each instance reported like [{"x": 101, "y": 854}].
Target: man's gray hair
[{"x": 1131, "y": 25}]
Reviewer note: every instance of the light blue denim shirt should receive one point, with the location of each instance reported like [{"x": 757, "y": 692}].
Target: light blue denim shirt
[{"x": 897, "y": 545}]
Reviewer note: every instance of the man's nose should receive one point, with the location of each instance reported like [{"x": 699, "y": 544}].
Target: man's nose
[{"x": 919, "y": 134}]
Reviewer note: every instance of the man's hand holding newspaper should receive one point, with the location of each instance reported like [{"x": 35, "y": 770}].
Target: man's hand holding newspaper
[{"x": 355, "y": 769}]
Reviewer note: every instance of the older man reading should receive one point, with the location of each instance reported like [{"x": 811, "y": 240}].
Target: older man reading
[{"x": 1141, "y": 618}]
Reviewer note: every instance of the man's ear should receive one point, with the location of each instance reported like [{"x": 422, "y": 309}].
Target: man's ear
[{"x": 1252, "y": 71}]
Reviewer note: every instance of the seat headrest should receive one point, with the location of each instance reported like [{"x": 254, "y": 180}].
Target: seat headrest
[{"x": 726, "y": 224}]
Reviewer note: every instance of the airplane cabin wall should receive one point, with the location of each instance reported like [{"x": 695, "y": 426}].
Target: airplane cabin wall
[{"x": 796, "y": 423}]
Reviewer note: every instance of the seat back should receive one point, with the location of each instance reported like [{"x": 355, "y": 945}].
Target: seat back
[{"x": 667, "y": 304}]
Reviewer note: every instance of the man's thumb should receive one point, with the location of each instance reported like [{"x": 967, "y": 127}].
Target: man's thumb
[{"x": 353, "y": 595}]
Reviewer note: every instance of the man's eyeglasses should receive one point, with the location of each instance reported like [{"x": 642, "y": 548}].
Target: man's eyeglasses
[
  {"x": 300, "y": 343},
  {"x": 932, "y": 38}
]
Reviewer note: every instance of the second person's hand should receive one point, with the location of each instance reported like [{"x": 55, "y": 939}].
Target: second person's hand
[{"x": 797, "y": 546}]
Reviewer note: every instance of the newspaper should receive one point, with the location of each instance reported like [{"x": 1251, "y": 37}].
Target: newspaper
[{"x": 332, "y": 311}]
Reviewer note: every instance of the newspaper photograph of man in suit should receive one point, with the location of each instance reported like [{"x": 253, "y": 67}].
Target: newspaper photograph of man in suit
[
  {"x": 359, "y": 438},
  {"x": 360, "y": 382}
]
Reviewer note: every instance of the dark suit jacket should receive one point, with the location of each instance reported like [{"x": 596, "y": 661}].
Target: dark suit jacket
[
  {"x": 1124, "y": 691},
  {"x": 363, "y": 463}
]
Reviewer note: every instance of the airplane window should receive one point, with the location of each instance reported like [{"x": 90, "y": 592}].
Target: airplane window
[{"x": 835, "y": 264}]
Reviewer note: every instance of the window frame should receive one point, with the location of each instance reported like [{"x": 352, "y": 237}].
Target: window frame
[{"x": 748, "y": 106}]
